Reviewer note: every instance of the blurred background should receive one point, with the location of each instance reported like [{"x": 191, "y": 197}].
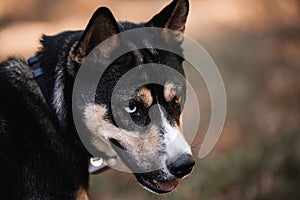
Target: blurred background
[{"x": 255, "y": 44}]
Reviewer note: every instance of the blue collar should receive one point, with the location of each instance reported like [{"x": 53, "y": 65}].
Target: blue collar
[
  {"x": 38, "y": 74},
  {"x": 96, "y": 164}
]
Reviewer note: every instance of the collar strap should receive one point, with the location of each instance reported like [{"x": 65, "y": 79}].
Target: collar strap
[
  {"x": 96, "y": 164},
  {"x": 38, "y": 74}
]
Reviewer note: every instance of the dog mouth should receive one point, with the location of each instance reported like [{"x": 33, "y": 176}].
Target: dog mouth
[{"x": 157, "y": 186}]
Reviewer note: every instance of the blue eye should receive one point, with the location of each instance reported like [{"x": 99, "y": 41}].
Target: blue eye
[{"x": 130, "y": 109}]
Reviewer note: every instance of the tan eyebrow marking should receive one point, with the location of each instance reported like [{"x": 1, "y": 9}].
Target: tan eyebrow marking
[
  {"x": 169, "y": 92},
  {"x": 145, "y": 96}
]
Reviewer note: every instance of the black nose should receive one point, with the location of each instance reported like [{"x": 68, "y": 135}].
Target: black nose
[{"x": 182, "y": 166}]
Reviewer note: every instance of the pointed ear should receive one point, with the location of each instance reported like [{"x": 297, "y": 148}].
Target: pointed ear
[
  {"x": 101, "y": 26},
  {"x": 172, "y": 16}
]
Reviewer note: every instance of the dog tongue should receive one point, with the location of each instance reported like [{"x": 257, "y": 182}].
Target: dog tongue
[{"x": 168, "y": 186}]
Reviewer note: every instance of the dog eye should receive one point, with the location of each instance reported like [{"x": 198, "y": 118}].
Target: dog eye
[
  {"x": 130, "y": 109},
  {"x": 177, "y": 100}
]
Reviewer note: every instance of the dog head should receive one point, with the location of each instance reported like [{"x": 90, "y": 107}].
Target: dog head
[{"x": 144, "y": 126}]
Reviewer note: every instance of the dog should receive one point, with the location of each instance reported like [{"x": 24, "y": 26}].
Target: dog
[{"x": 41, "y": 154}]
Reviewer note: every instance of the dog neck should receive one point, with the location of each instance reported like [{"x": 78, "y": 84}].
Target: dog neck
[
  {"x": 52, "y": 70},
  {"x": 55, "y": 80}
]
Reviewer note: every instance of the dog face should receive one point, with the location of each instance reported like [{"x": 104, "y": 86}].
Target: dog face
[{"x": 148, "y": 134}]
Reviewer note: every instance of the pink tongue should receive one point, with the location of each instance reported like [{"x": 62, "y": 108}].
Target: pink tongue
[{"x": 168, "y": 186}]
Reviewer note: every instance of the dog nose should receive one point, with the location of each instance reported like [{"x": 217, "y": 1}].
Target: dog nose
[{"x": 182, "y": 166}]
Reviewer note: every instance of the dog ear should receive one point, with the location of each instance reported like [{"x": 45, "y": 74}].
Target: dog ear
[
  {"x": 172, "y": 16},
  {"x": 101, "y": 26}
]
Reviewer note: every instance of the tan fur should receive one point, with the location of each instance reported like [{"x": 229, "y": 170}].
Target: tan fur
[
  {"x": 143, "y": 146},
  {"x": 92, "y": 115},
  {"x": 82, "y": 194},
  {"x": 70, "y": 64},
  {"x": 169, "y": 92},
  {"x": 145, "y": 96}
]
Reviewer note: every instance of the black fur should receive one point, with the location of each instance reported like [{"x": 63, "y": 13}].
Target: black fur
[
  {"x": 38, "y": 160},
  {"x": 41, "y": 155}
]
